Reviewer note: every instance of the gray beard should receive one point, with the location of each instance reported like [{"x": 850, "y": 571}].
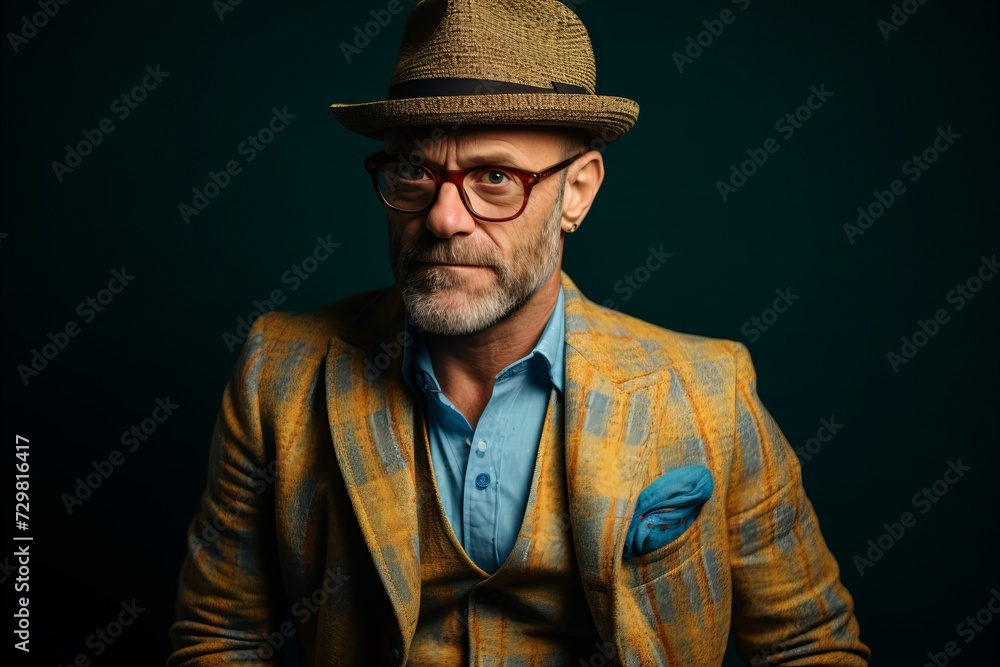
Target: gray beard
[{"x": 425, "y": 293}]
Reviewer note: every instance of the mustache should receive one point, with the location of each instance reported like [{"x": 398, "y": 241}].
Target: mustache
[{"x": 446, "y": 253}]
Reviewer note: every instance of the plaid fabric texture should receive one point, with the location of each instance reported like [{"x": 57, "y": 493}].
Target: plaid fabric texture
[{"x": 308, "y": 525}]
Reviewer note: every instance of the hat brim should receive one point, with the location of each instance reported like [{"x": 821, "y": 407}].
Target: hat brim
[{"x": 606, "y": 117}]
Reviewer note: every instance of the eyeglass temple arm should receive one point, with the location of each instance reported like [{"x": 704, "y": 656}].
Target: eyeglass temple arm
[{"x": 557, "y": 167}]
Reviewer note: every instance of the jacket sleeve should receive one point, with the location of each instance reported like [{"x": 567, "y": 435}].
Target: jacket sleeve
[
  {"x": 789, "y": 606},
  {"x": 229, "y": 600}
]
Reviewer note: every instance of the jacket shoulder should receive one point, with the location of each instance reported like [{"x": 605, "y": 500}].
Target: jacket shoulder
[
  {"x": 310, "y": 331},
  {"x": 284, "y": 351},
  {"x": 667, "y": 347}
]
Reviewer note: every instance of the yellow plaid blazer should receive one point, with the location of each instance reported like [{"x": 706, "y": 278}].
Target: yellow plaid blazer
[{"x": 307, "y": 525}]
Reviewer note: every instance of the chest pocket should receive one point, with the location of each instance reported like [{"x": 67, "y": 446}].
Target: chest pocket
[{"x": 669, "y": 561}]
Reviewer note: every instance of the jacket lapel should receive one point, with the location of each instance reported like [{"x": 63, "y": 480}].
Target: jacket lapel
[
  {"x": 370, "y": 412},
  {"x": 612, "y": 390}
]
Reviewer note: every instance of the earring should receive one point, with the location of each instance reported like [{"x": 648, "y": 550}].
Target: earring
[{"x": 572, "y": 229}]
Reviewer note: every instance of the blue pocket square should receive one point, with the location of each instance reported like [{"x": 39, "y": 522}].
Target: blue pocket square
[{"x": 666, "y": 508}]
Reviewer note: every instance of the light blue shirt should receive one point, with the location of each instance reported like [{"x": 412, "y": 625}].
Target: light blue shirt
[{"x": 484, "y": 474}]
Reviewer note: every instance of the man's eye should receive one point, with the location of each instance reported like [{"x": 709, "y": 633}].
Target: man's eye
[
  {"x": 410, "y": 172},
  {"x": 495, "y": 177}
]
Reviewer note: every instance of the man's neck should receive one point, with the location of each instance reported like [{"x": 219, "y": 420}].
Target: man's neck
[{"x": 465, "y": 366}]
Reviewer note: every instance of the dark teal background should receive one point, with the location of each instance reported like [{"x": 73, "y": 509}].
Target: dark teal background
[{"x": 826, "y": 357}]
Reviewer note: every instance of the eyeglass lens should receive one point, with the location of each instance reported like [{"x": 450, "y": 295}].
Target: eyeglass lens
[{"x": 490, "y": 192}]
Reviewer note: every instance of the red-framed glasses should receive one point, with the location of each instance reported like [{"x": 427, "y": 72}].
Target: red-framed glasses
[{"x": 490, "y": 193}]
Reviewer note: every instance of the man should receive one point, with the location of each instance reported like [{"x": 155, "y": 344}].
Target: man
[{"x": 479, "y": 465}]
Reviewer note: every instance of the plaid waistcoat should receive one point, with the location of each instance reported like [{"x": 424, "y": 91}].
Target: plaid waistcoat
[{"x": 532, "y": 611}]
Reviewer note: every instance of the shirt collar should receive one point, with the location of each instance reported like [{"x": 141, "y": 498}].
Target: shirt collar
[{"x": 551, "y": 346}]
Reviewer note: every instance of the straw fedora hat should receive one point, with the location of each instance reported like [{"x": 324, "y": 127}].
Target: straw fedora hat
[{"x": 494, "y": 62}]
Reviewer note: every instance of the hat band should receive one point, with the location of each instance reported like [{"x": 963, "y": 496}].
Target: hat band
[{"x": 447, "y": 87}]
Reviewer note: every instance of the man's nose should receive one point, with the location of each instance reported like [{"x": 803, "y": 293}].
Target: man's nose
[{"x": 449, "y": 216}]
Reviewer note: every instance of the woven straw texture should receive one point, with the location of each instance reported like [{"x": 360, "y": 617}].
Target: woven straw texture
[{"x": 526, "y": 42}]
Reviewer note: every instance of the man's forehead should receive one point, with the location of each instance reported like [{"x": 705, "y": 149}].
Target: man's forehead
[{"x": 475, "y": 135}]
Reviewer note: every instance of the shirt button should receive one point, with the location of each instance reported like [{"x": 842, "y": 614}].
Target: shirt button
[
  {"x": 481, "y": 447},
  {"x": 482, "y": 480}
]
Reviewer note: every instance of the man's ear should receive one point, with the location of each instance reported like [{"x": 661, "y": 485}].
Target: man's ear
[{"x": 583, "y": 180}]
